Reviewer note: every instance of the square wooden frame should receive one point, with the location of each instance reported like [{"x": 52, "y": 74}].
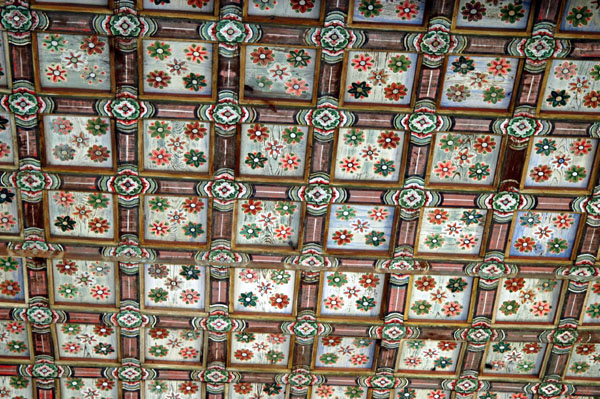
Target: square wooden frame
[
  {"x": 85, "y": 361},
  {"x": 260, "y": 367},
  {"x": 277, "y": 179},
  {"x": 58, "y": 389},
  {"x": 363, "y": 253},
  {"x": 277, "y": 100},
  {"x": 561, "y": 190},
  {"x": 173, "y": 364},
  {"x": 344, "y": 370},
  {"x": 56, "y": 4},
  {"x": 174, "y": 244},
  {"x": 369, "y": 395},
  {"x": 461, "y": 355},
  {"x": 85, "y": 240},
  {"x": 20, "y": 221},
  {"x": 167, "y": 311},
  {"x": 385, "y": 277},
  {"x": 227, "y": 386},
  {"x": 24, "y": 303},
  {"x": 540, "y": 259},
  {"x": 530, "y": 324},
  {"x": 9, "y": 77},
  {"x": 196, "y": 98},
  {"x": 81, "y": 306},
  {"x": 15, "y": 146},
  {"x": 432, "y": 256},
  {"x": 372, "y": 183},
  {"x": 285, "y": 20},
  {"x": 479, "y": 111},
  {"x": 494, "y": 31},
  {"x": 514, "y": 377},
  {"x": 574, "y": 379},
  {"x": 582, "y": 325},
  {"x": 589, "y": 116},
  {"x": 77, "y": 168},
  {"x": 430, "y": 322},
  {"x": 570, "y": 34},
  {"x": 181, "y": 14},
  {"x": 386, "y": 25},
  {"x": 369, "y": 106},
  {"x": 178, "y": 174},
  {"x": 268, "y": 248},
  {"x": 262, "y": 315},
  {"x": 462, "y": 186},
  {"x": 394, "y": 393},
  {"x": 68, "y": 91},
  {"x": 30, "y": 345}
]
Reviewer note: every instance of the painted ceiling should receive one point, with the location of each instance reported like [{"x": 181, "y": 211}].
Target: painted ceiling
[{"x": 271, "y": 199}]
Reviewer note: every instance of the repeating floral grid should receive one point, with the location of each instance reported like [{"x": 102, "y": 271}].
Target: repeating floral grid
[
  {"x": 584, "y": 361},
  {"x": 173, "y": 345},
  {"x": 174, "y": 286},
  {"x": 591, "y": 313},
  {"x": 580, "y": 16},
  {"x": 515, "y": 358},
  {"x": 263, "y": 290},
  {"x": 527, "y": 300},
  {"x": 14, "y": 339},
  {"x": 456, "y": 231},
  {"x": 345, "y": 352},
  {"x": 9, "y": 211},
  {"x": 360, "y": 227},
  {"x": 178, "y": 219},
  {"x": 470, "y": 159},
  {"x": 502, "y": 395},
  {"x": 8, "y": 152},
  {"x": 560, "y": 162},
  {"x": 203, "y": 6},
  {"x": 268, "y": 223},
  {"x": 174, "y": 67},
  {"x": 479, "y": 82},
  {"x": 338, "y": 392},
  {"x": 305, "y": 9},
  {"x": 12, "y": 279},
  {"x": 544, "y": 234},
  {"x": 572, "y": 86},
  {"x": 352, "y": 294},
  {"x": 87, "y": 341},
  {"x": 166, "y": 389},
  {"x": 273, "y": 150},
  {"x": 503, "y": 14},
  {"x": 260, "y": 348},
  {"x": 84, "y": 282},
  {"x": 440, "y": 298},
  {"x": 418, "y": 393},
  {"x": 244, "y": 390},
  {"x": 104, "y": 388},
  {"x": 16, "y": 387},
  {"x": 280, "y": 72},
  {"x": 74, "y": 61},
  {"x": 379, "y": 77},
  {"x": 78, "y": 141},
  {"x": 81, "y": 214},
  {"x": 176, "y": 145},
  {"x": 404, "y": 12},
  {"x": 429, "y": 355},
  {"x": 371, "y": 155}
]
